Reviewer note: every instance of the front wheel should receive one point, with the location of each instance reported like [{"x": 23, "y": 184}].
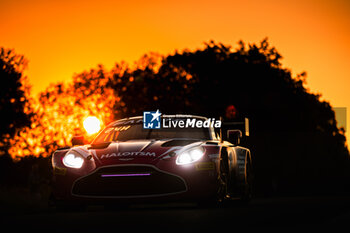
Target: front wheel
[{"x": 219, "y": 198}]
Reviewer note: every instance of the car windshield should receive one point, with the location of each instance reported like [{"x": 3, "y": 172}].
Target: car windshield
[{"x": 136, "y": 131}]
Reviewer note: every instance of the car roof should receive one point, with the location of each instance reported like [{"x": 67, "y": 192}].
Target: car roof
[{"x": 140, "y": 118}]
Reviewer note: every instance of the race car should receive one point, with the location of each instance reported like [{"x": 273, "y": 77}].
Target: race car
[{"x": 127, "y": 163}]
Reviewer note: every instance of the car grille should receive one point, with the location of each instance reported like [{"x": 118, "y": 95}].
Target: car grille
[{"x": 128, "y": 181}]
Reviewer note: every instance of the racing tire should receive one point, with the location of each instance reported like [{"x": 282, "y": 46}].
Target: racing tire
[{"x": 219, "y": 199}]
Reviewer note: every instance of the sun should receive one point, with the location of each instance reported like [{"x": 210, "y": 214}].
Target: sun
[{"x": 92, "y": 125}]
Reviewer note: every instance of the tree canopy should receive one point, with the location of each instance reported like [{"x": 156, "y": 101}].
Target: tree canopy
[
  {"x": 294, "y": 140},
  {"x": 13, "y": 99},
  {"x": 60, "y": 111}
]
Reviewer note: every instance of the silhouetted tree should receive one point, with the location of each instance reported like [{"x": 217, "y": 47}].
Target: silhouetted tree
[
  {"x": 295, "y": 142},
  {"x": 151, "y": 86},
  {"x": 60, "y": 112},
  {"x": 13, "y": 100},
  {"x": 295, "y": 139}
]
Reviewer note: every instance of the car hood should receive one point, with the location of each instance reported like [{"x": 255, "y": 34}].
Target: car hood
[{"x": 139, "y": 151}]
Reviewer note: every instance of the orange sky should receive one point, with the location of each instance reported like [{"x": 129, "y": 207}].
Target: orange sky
[{"x": 63, "y": 37}]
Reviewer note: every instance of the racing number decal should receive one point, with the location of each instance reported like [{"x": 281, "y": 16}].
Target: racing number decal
[
  {"x": 113, "y": 133},
  {"x": 122, "y": 128}
]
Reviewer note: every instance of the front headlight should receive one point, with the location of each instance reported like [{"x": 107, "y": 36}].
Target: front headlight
[
  {"x": 73, "y": 160},
  {"x": 190, "y": 156}
]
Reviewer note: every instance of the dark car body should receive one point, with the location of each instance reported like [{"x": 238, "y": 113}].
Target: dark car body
[{"x": 126, "y": 163}]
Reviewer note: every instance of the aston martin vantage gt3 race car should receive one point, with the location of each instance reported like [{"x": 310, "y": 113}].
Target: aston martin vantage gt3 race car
[{"x": 128, "y": 163}]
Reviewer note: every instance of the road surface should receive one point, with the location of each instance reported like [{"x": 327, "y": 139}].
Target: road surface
[{"x": 262, "y": 212}]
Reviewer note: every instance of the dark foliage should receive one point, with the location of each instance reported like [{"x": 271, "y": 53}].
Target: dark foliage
[
  {"x": 12, "y": 96},
  {"x": 295, "y": 142},
  {"x": 296, "y": 145},
  {"x": 29, "y": 172}
]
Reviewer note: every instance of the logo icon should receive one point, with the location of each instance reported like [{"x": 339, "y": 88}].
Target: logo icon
[{"x": 151, "y": 120}]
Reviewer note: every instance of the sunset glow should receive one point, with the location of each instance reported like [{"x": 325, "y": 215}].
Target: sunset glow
[
  {"x": 92, "y": 125},
  {"x": 62, "y": 38}
]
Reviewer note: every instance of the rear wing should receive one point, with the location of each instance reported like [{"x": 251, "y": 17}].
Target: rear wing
[{"x": 240, "y": 125}]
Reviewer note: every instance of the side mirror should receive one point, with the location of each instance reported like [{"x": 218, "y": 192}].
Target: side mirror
[
  {"x": 234, "y": 136},
  {"x": 78, "y": 140}
]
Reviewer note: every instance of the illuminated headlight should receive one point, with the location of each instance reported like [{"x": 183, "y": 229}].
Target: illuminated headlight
[
  {"x": 190, "y": 156},
  {"x": 73, "y": 160}
]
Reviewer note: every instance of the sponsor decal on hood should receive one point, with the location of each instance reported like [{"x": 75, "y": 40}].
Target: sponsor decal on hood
[{"x": 127, "y": 153}]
